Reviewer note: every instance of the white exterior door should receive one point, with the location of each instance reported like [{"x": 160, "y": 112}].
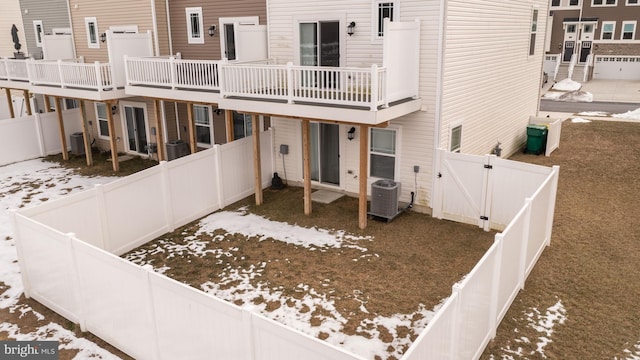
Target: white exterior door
[
  {"x": 229, "y": 37},
  {"x": 570, "y": 39}
]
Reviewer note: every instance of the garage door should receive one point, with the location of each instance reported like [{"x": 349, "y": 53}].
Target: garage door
[{"x": 617, "y": 67}]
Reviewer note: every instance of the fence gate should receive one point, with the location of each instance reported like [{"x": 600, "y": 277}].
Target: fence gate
[{"x": 462, "y": 188}]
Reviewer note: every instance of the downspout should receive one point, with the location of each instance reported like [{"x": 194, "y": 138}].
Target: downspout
[
  {"x": 438, "y": 107},
  {"x": 268, "y": 31},
  {"x": 166, "y": 4},
  {"x": 73, "y": 42},
  {"x": 154, "y": 19}
]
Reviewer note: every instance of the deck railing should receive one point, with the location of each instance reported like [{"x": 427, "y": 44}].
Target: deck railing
[
  {"x": 173, "y": 72},
  {"x": 13, "y": 69},
  {"x": 365, "y": 87},
  {"x": 63, "y": 73},
  {"x": 69, "y": 74}
]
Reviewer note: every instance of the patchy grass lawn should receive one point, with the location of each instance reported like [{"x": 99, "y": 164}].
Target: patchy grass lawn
[
  {"x": 370, "y": 291},
  {"x": 102, "y": 165}
]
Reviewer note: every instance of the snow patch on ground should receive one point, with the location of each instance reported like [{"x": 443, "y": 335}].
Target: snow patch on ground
[
  {"x": 566, "y": 85},
  {"x": 633, "y": 115},
  {"x": 594, "y": 113},
  {"x": 543, "y": 323},
  {"x": 632, "y": 354},
  {"x": 24, "y": 185},
  {"x": 579, "y": 120}
]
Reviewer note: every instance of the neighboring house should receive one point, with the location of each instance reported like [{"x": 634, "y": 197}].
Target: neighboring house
[
  {"x": 43, "y": 17},
  {"x": 350, "y": 108},
  {"x": 209, "y": 30},
  {"x": 605, "y": 29},
  {"x": 11, "y": 15}
]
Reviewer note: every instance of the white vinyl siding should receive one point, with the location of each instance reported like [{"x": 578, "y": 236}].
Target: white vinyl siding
[
  {"x": 91, "y": 25},
  {"x": 195, "y": 31}
]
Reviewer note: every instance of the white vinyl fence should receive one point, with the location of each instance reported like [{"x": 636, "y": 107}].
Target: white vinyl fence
[
  {"x": 34, "y": 136},
  {"x": 68, "y": 256}
]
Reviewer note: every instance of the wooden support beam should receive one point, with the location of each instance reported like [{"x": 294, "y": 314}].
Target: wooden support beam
[
  {"x": 192, "y": 129},
  {"x": 63, "y": 136},
  {"x": 257, "y": 168},
  {"x": 159, "y": 131},
  {"x": 306, "y": 160},
  {"x": 85, "y": 133},
  {"x": 112, "y": 139},
  {"x": 228, "y": 118},
  {"x": 47, "y": 103},
  {"x": 7, "y": 93},
  {"x": 363, "y": 175},
  {"x": 27, "y": 102}
]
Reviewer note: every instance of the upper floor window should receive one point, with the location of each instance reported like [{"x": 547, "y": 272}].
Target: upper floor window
[
  {"x": 534, "y": 30},
  {"x": 195, "y": 33},
  {"x": 39, "y": 32},
  {"x": 242, "y": 125},
  {"x": 628, "y": 30},
  {"x": 384, "y": 10},
  {"x": 633, "y": 2},
  {"x": 91, "y": 25},
  {"x": 383, "y": 153},
  {"x": 604, "y": 2},
  {"x": 608, "y": 27},
  {"x": 565, "y": 3}
]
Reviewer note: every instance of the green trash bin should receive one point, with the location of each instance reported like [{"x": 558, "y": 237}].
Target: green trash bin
[{"x": 536, "y": 139}]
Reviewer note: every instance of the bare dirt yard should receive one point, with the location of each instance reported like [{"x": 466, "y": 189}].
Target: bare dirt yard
[
  {"x": 592, "y": 267},
  {"x": 369, "y": 291}
]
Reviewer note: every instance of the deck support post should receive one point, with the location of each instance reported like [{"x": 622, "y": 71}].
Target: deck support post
[
  {"x": 228, "y": 118},
  {"x": 27, "y": 102},
  {"x": 306, "y": 159},
  {"x": 85, "y": 134},
  {"x": 63, "y": 136},
  {"x": 192, "y": 134},
  {"x": 47, "y": 103},
  {"x": 159, "y": 131},
  {"x": 7, "y": 93},
  {"x": 112, "y": 139},
  {"x": 257, "y": 168},
  {"x": 364, "y": 159}
]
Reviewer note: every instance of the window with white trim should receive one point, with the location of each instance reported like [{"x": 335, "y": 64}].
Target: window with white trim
[
  {"x": 628, "y": 30},
  {"x": 204, "y": 125},
  {"x": 382, "y": 153},
  {"x": 91, "y": 25},
  {"x": 604, "y": 2},
  {"x": 38, "y": 29},
  {"x": 534, "y": 31},
  {"x": 565, "y": 3},
  {"x": 633, "y": 2},
  {"x": 608, "y": 28},
  {"x": 102, "y": 120},
  {"x": 242, "y": 125},
  {"x": 195, "y": 33},
  {"x": 383, "y": 10},
  {"x": 455, "y": 138}
]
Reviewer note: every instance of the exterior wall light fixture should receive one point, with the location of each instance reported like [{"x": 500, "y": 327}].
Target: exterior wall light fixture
[
  {"x": 212, "y": 30},
  {"x": 351, "y": 134},
  {"x": 350, "y": 28},
  {"x": 103, "y": 37}
]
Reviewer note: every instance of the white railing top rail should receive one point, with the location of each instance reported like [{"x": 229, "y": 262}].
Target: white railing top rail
[{"x": 172, "y": 72}]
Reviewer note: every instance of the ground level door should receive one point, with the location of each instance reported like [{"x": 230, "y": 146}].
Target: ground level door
[
  {"x": 325, "y": 153},
  {"x": 585, "y": 50},
  {"x": 136, "y": 129}
]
